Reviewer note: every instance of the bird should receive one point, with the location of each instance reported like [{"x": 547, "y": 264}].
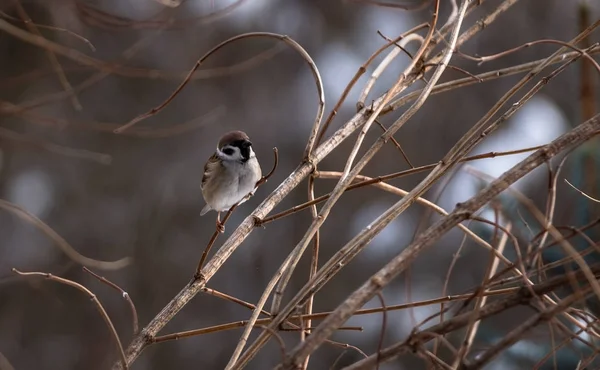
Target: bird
[{"x": 230, "y": 174}]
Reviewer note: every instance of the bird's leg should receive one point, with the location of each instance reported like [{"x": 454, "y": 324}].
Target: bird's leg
[{"x": 220, "y": 226}]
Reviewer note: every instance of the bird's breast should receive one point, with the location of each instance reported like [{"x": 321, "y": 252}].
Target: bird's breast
[{"x": 234, "y": 182}]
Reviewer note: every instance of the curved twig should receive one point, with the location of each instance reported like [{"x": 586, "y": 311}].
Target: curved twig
[
  {"x": 94, "y": 299},
  {"x": 361, "y": 70},
  {"x": 147, "y": 133},
  {"x": 583, "y": 53},
  {"x": 60, "y": 242},
  {"x": 383, "y": 327},
  {"x": 100, "y": 18},
  {"x": 581, "y": 192},
  {"x": 134, "y": 315},
  {"x": 53, "y": 28},
  {"x": 58, "y": 70},
  {"x": 275, "y": 163},
  {"x": 100, "y": 158},
  {"x": 187, "y": 79},
  {"x": 384, "y": 64},
  {"x": 483, "y": 77},
  {"x": 359, "y": 184},
  {"x": 409, "y": 7}
]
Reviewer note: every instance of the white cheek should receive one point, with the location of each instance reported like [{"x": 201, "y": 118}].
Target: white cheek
[
  {"x": 236, "y": 156},
  {"x": 252, "y": 155}
]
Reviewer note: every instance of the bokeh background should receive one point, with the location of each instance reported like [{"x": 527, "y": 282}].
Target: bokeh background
[{"x": 145, "y": 203}]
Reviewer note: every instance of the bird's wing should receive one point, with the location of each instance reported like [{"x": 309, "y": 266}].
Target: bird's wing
[{"x": 209, "y": 169}]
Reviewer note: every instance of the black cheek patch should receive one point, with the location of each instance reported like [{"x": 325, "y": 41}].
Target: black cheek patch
[{"x": 245, "y": 152}]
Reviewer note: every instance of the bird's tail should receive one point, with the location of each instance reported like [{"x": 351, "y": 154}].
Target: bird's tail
[{"x": 205, "y": 210}]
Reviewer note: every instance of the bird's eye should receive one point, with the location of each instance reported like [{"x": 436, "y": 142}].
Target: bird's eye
[{"x": 228, "y": 151}]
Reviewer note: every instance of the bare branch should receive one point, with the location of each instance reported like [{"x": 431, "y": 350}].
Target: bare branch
[
  {"x": 94, "y": 299},
  {"x": 581, "y": 192},
  {"x": 134, "y": 315},
  {"x": 60, "y": 242}
]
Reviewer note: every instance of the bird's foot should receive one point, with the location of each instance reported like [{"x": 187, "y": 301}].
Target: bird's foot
[{"x": 220, "y": 227}]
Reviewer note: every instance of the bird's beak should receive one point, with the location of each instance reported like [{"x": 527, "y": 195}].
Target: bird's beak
[{"x": 247, "y": 144}]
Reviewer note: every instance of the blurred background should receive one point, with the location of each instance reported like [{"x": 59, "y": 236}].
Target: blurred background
[{"x": 141, "y": 198}]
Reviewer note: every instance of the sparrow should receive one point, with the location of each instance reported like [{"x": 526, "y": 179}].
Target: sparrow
[{"x": 230, "y": 174}]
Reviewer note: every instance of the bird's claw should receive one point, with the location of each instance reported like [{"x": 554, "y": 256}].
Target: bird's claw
[{"x": 220, "y": 227}]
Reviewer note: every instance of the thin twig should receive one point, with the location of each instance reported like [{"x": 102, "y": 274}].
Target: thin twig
[
  {"x": 94, "y": 299},
  {"x": 587, "y": 79},
  {"x": 581, "y": 192},
  {"x": 455, "y": 258},
  {"x": 314, "y": 263},
  {"x": 227, "y": 297},
  {"x": 62, "y": 78},
  {"x": 420, "y": 200},
  {"x": 484, "y": 77},
  {"x": 361, "y": 70},
  {"x": 384, "y": 64},
  {"x": 410, "y": 7},
  {"x": 60, "y": 242},
  {"x": 360, "y": 184},
  {"x": 235, "y": 325},
  {"x": 137, "y": 73},
  {"x": 53, "y": 28},
  {"x": 383, "y": 326},
  {"x": 480, "y": 302},
  {"x": 396, "y": 144},
  {"x": 100, "y": 158},
  {"x": 536, "y": 42},
  {"x": 99, "y": 18},
  {"x": 134, "y": 315},
  {"x": 200, "y": 61}
]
